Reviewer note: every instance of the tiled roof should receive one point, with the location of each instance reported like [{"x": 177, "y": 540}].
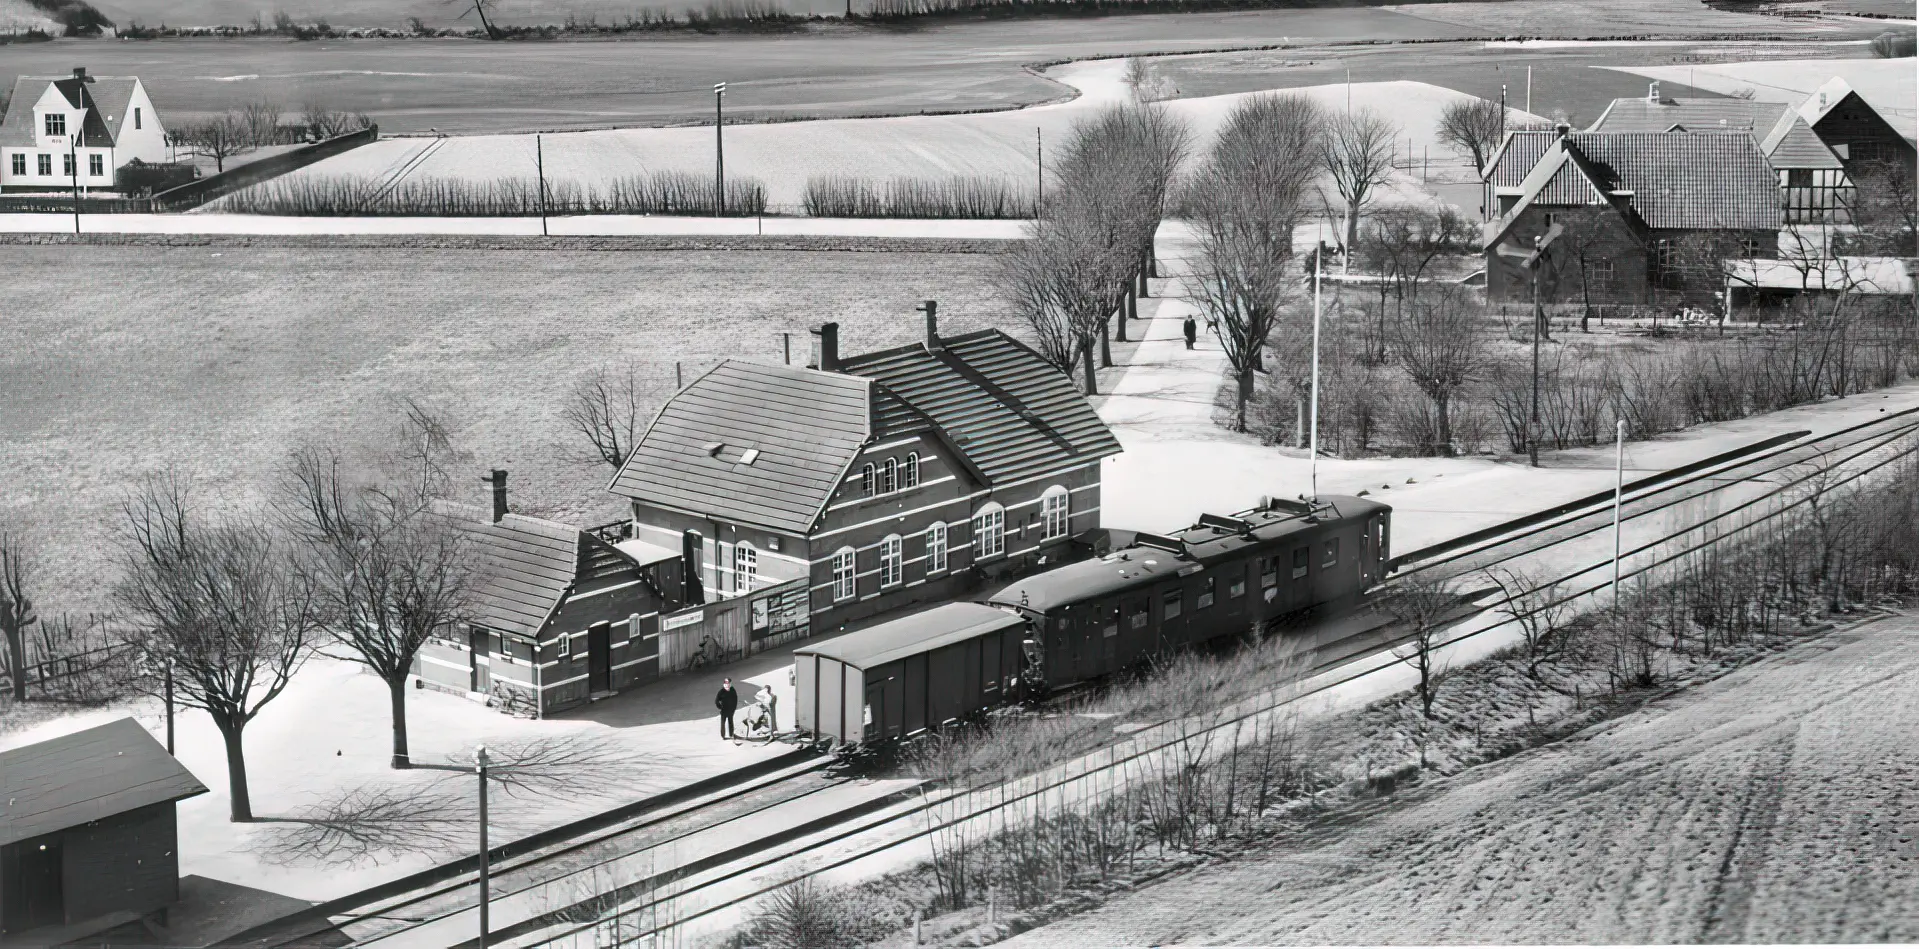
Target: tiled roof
[
  {"x": 805, "y": 426},
  {"x": 1783, "y": 136},
  {"x": 525, "y": 567},
  {"x": 105, "y": 97},
  {"x": 1517, "y": 155},
  {"x": 86, "y": 776},
  {"x": 1008, "y": 411}
]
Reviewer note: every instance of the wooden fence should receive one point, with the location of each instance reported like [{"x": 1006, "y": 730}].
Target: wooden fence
[
  {"x": 41, "y": 674},
  {"x": 737, "y": 627}
]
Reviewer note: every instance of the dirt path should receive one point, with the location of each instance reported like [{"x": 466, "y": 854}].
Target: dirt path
[{"x": 1778, "y": 804}]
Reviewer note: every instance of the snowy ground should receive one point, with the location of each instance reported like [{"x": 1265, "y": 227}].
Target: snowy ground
[
  {"x": 328, "y": 732},
  {"x": 1891, "y": 86},
  {"x": 596, "y": 225},
  {"x": 1778, "y": 804}
]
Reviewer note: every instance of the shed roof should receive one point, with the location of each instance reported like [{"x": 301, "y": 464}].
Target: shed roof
[
  {"x": 1008, "y": 411},
  {"x": 86, "y": 776},
  {"x": 911, "y": 635},
  {"x": 525, "y": 567},
  {"x": 803, "y": 425}
]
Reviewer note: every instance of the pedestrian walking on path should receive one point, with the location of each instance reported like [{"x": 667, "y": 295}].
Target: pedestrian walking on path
[
  {"x": 772, "y": 703},
  {"x": 728, "y": 702},
  {"x": 1192, "y": 332}
]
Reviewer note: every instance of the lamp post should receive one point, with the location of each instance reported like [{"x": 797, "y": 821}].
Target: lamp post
[
  {"x": 539, "y": 166},
  {"x": 1312, "y": 449},
  {"x": 73, "y": 166},
  {"x": 485, "y": 868},
  {"x": 1039, "y": 175},
  {"x": 1532, "y": 427},
  {"x": 719, "y": 149}
]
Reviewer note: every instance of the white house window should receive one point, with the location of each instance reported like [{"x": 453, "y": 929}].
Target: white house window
[
  {"x": 1053, "y": 512},
  {"x": 910, "y": 472},
  {"x": 989, "y": 532},
  {"x": 19, "y": 163},
  {"x": 564, "y": 645},
  {"x": 45, "y": 164},
  {"x": 136, "y": 117},
  {"x": 890, "y": 558},
  {"x": 96, "y": 165},
  {"x": 936, "y": 548},
  {"x": 66, "y": 165},
  {"x": 56, "y": 123},
  {"x": 867, "y": 481},
  {"x": 889, "y": 476},
  {"x": 843, "y": 576},
  {"x": 746, "y": 567},
  {"x": 723, "y": 566}
]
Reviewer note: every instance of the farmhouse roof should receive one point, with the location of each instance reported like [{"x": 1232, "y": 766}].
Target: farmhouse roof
[
  {"x": 1516, "y": 157},
  {"x": 1010, "y": 413},
  {"x": 1825, "y": 99},
  {"x": 106, "y": 98},
  {"x": 1783, "y": 136},
  {"x": 525, "y": 566},
  {"x": 801, "y": 428},
  {"x": 86, "y": 776},
  {"x": 1661, "y": 180}
]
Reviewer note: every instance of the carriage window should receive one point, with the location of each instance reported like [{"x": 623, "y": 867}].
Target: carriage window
[
  {"x": 1139, "y": 616},
  {"x": 1300, "y": 557},
  {"x": 1110, "y": 626},
  {"x": 1169, "y": 603},
  {"x": 1237, "y": 587},
  {"x": 1206, "y": 590},
  {"x": 1332, "y": 553},
  {"x": 1269, "y": 571}
]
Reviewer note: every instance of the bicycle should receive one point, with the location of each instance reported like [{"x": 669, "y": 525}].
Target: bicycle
[{"x": 707, "y": 654}]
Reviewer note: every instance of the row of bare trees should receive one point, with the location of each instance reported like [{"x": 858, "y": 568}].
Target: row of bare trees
[{"x": 260, "y": 124}]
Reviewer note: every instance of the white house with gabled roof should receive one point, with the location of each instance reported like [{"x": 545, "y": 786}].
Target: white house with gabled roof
[{"x": 62, "y": 131}]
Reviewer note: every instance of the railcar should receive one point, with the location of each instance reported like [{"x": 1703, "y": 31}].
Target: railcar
[{"x": 1221, "y": 577}]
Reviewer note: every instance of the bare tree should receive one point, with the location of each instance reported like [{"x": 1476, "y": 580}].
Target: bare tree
[
  {"x": 1144, "y": 82},
  {"x": 322, "y": 121},
  {"x": 222, "y": 602},
  {"x": 1400, "y": 244},
  {"x": 1245, "y": 202},
  {"x": 1439, "y": 345},
  {"x": 606, "y": 407},
  {"x": 424, "y": 445},
  {"x": 480, "y": 8},
  {"x": 1358, "y": 155},
  {"x": 1474, "y": 126},
  {"x": 222, "y": 137},
  {"x": 391, "y": 572},
  {"x": 1031, "y": 272},
  {"x": 1542, "y": 611},
  {"x": 261, "y": 120},
  {"x": 1067, "y": 281},
  {"x": 1424, "y": 604},
  {"x": 16, "y": 608}
]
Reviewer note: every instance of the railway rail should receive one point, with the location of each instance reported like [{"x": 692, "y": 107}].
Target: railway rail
[{"x": 741, "y": 837}]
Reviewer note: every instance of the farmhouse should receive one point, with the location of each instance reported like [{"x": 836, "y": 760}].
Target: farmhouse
[
  {"x": 1634, "y": 209},
  {"x": 559, "y": 616},
  {"x": 882, "y": 480},
  {"x": 87, "y": 833},
  {"x": 77, "y": 131},
  {"x": 1812, "y": 179},
  {"x": 1854, "y": 130}
]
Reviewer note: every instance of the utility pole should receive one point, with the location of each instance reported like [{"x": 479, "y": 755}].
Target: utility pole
[
  {"x": 1312, "y": 450},
  {"x": 485, "y": 866},
  {"x": 1039, "y": 179},
  {"x": 539, "y": 166},
  {"x": 1618, "y": 492},
  {"x": 73, "y": 165},
  {"x": 1529, "y": 89},
  {"x": 719, "y": 149},
  {"x": 169, "y": 701},
  {"x": 1532, "y": 429}
]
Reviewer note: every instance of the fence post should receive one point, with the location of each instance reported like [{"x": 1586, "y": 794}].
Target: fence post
[
  {"x": 992, "y": 906},
  {"x": 916, "y": 927}
]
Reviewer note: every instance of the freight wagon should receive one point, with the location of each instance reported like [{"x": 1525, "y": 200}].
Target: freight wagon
[{"x": 1221, "y": 577}]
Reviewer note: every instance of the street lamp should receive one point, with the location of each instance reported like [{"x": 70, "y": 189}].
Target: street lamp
[
  {"x": 1618, "y": 493},
  {"x": 719, "y": 149},
  {"x": 485, "y": 868},
  {"x": 1312, "y": 449}
]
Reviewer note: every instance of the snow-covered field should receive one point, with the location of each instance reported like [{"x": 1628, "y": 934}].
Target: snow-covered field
[
  {"x": 1003, "y": 145},
  {"x": 1890, "y": 85},
  {"x": 596, "y": 225},
  {"x": 1777, "y": 804}
]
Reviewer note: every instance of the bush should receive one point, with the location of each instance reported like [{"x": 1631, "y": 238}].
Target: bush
[
  {"x": 671, "y": 192},
  {"x": 946, "y": 198},
  {"x": 1893, "y": 45}
]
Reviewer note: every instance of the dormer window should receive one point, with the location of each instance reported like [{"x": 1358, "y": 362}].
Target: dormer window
[
  {"x": 56, "y": 123},
  {"x": 712, "y": 449},
  {"x": 752, "y": 455}
]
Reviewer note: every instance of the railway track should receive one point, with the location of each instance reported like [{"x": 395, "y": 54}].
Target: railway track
[{"x": 738, "y": 841}]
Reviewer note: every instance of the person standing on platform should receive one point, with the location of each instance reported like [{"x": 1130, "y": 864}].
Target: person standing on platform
[{"x": 728, "y": 702}]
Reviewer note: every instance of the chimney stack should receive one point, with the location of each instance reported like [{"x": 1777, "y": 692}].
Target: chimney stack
[
  {"x": 80, "y": 73},
  {"x": 498, "y": 480},
  {"x": 1652, "y": 92},
  {"x": 826, "y": 347},
  {"x": 931, "y": 309},
  {"x": 1564, "y": 130}
]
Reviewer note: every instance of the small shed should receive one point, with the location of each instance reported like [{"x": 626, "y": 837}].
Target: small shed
[
  {"x": 87, "y": 832},
  {"x": 910, "y": 674}
]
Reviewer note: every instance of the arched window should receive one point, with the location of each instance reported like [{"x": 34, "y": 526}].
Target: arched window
[
  {"x": 889, "y": 476},
  {"x": 843, "y": 576},
  {"x": 936, "y": 548},
  {"x": 866, "y": 481},
  {"x": 989, "y": 532},
  {"x": 910, "y": 472},
  {"x": 1053, "y": 512},
  {"x": 746, "y": 567},
  {"x": 891, "y": 558}
]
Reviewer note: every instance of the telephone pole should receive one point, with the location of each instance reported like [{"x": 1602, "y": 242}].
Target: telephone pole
[{"x": 719, "y": 149}]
